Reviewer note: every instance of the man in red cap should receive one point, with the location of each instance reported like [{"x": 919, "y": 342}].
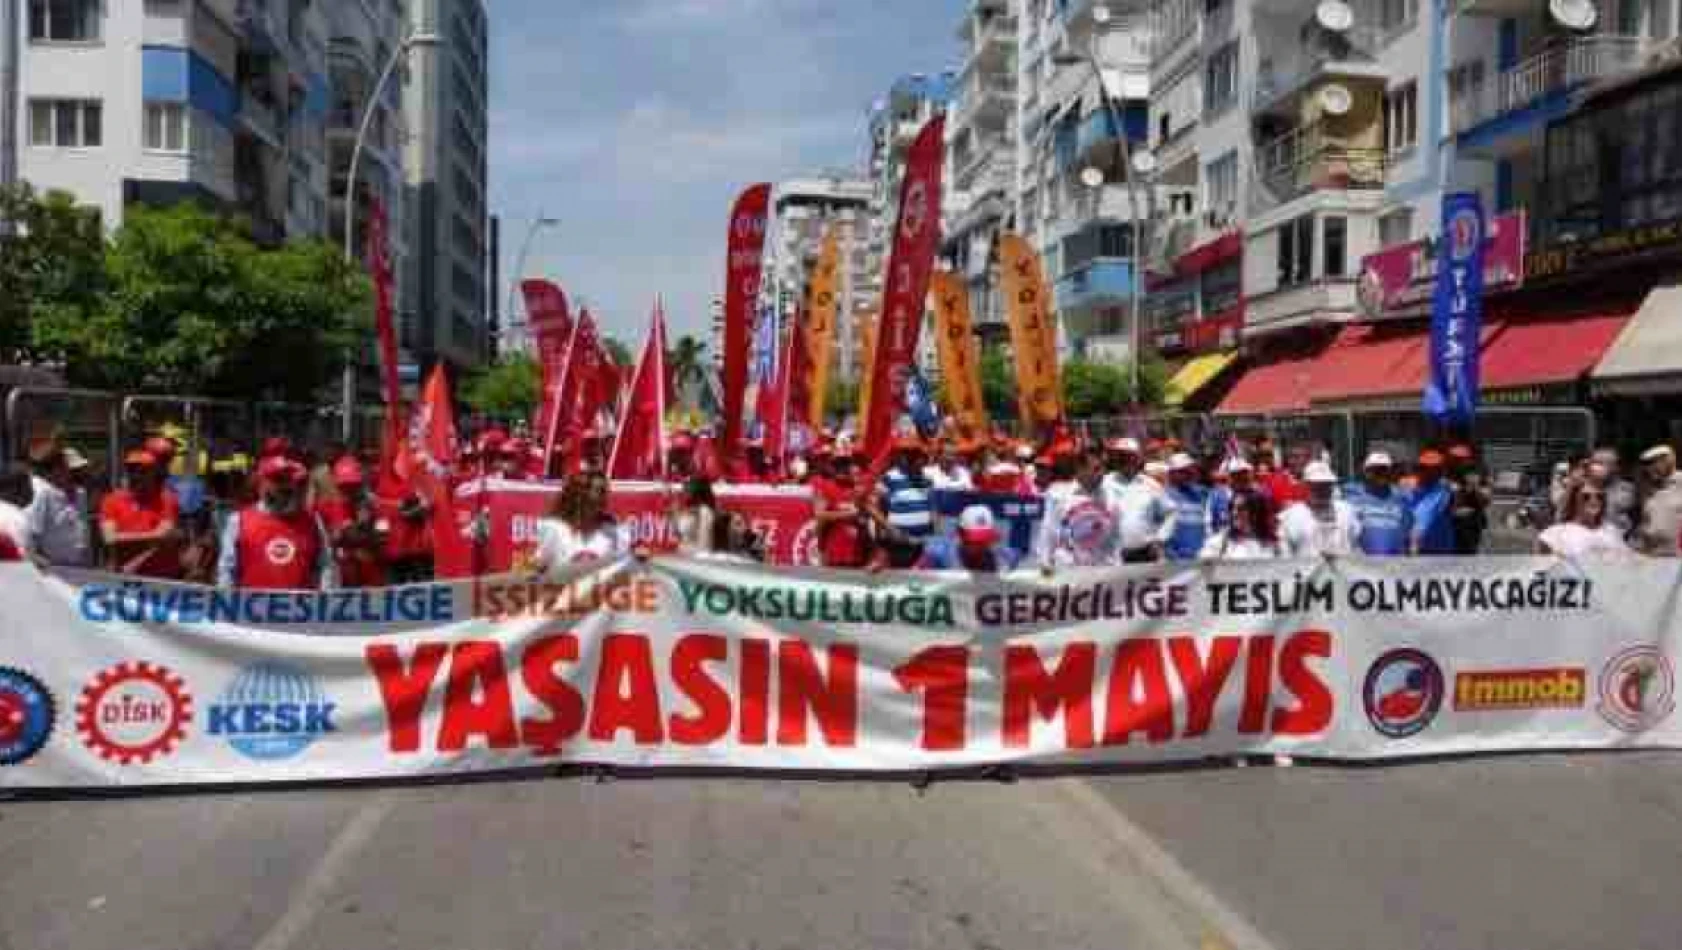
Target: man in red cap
[
  {"x": 353, "y": 526},
  {"x": 140, "y": 523},
  {"x": 840, "y": 514},
  {"x": 277, "y": 543},
  {"x": 977, "y": 545}
]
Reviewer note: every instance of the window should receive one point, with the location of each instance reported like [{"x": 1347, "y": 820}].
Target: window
[
  {"x": 1337, "y": 241},
  {"x": 1395, "y": 16},
  {"x": 64, "y": 21},
  {"x": 64, "y": 123},
  {"x": 1221, "y": 185},
  {"x": 1220, "y": 79},
  {"x": 1296, "y": 252},
  {"x": 166, "y": 127},
  {"x": 1395, "y": 228},
  {"x": 1401, "y": 118},
  {"x": 1164, "y": 125}
]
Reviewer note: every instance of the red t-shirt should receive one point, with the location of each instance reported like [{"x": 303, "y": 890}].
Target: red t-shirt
[
  {"x": 404, "y": 537},
  {"x": 1284, "y": 489},
  {"x": 841, "y": 543},
  {"x": 133, "y": 514},
  {"x": 359, "y": 565},
  {"x": 277, "y": 552}
]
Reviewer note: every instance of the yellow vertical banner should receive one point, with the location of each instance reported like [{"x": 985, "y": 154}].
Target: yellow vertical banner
[
  {"x": 820, "y": 326},
  {"x": 1033, "y": 335},
  {"x": 960, "y": 356},
  {"x": 869, "y": 361}
]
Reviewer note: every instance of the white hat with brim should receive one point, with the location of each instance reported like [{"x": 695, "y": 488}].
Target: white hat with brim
[
  {"x": 1319, "y": 473},
  {"x": 1379, "y": 460},
  {"x": 1658, "y": 452}
]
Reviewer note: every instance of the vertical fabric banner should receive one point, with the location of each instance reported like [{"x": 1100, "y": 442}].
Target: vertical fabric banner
[
  {"x": 916, "y": 237},
  {"x": 741, "y": 288},
  {"x": 550, "y": 322},
  {"x": 820, "y": 327},
  {"x": 1032, "y": 334},
  {"x": 1451, "y": 394},
  {"x": 377, "y": 254},
  {"x": 581, "y": 398},
  {"x": 767, "y": 346},
  {"x": 865, "y": 365},
  {"x": 960, "y": 356},
  {"x": 798, "y": 360},
  {"x": 777, "y": 423},
  {"x": 639, "y": 449}
]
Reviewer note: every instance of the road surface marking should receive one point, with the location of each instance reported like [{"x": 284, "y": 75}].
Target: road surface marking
[
  {"x": 1232, "y": 930},
  {"x": 318, "y": 885}
]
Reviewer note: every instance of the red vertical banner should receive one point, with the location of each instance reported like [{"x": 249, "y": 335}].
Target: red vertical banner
[
  {"x": 551, "y": 328},
  {"x": 568, "y": 388},
  {"x": 583, "y": 395},
  {"x": 916, "y": 237},
  {"x": 385, "y": 319},
  {"x": 429, "y": 452},
  {"x": 741, "y": 290},
  {"x": 639, "y": 448}
]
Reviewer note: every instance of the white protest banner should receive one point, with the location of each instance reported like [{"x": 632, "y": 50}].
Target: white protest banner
[{"x": 106, "y": 682}]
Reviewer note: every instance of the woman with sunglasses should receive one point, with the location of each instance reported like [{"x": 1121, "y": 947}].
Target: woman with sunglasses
[{"x": 1583, "y": 529}]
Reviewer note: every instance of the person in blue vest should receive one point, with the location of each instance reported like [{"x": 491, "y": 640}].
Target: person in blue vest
[
  {"x": 1382, "y": 512},
  {"x": 906, "y": 496},
  {"x": 1240, "y": 479},
  {"x": 1433, "y": 507},
  {"x": 977, "y": 546},
  {"x": 1188, "y": 501}
]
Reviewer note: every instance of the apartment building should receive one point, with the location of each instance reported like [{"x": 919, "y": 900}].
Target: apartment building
[
  {"x": 981, "y": 144},
  {"x": 803, "y": 210},
  {"x": 446, "y": 177},
  {"x": 162, "y": 101},
  {"x": 1073, "y": 198}
]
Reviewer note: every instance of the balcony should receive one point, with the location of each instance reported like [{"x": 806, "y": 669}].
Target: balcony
[
  {"x": 1313, "y": 158},
  {"x": 986, "y": 102},
  {"x": 1327, "y": 300},
  {"x": 1096, "y": 141},
  {"x": 1100, "y": 282},
  {"x": 1537, "y": 88},
  {"x": 992, "y": 43},
  {"x": 1320, "y": 55}
]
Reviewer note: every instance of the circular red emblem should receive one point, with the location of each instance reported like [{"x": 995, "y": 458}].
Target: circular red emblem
[{"x": 134, "y": 712}]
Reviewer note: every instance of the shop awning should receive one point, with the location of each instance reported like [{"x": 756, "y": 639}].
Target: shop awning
[
  {"x": 1372, "y": 360},
  {"x": 1543, "y": 352},
  {"x": 1646, "y": 358},
  {"x": 1195, "y": 375},
  {"x": 1274, "y": 387}
]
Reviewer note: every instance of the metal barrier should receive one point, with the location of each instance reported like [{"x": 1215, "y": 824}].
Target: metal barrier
[
  {"x": 210, "y": 429},
  {"x": 1333, "y": 433},
  {"x": 87, "y": 419}
]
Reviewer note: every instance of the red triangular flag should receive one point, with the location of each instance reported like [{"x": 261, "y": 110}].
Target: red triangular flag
[{"x": 639, "y": 449}]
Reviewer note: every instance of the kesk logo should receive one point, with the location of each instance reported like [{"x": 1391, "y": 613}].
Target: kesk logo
[
  {"x": 1558, "y": 688},
  {"x": 1402, "y": 693},
  {"x": 27, "y": 713},
  {"x": 1637, "y": 689},
  {"x": 134, "y": 712},
  {"x": 272, "y": 711}
]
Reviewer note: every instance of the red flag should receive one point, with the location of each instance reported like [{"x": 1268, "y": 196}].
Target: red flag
[
  {"x": 551, "y": 329},
  {"x": 639, "y": 449},
  {"x": 916, "y": 237},
  {"x": 777, "y": 424},
  {"x": 429, "y": 452},
  {"x": 570, "y": 386},
  {"x": 741, "y": 289},
  {"x": 584, "y": 396}
]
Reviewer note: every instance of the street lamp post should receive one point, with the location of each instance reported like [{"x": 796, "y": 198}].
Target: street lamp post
[
  {"x": 520, "y": 263},
  {"x": 1101, "y": 16},
  {"x": 348, "y": 395}
]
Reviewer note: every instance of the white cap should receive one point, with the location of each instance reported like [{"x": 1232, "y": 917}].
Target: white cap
[
  {"x": 1379, "y": 460},
  {"x": 74, "y": 459},
  {"x": 1180, "y": 461},
  {"x": 1024, "y": 452},
  {"x": 1319, "y": 473},
  {"x": 1124, "y": 444},
  {"x": 977, "y": 518},
  {"x": 1658, "y": 452},
  {"x": 1233, "y": 466}
]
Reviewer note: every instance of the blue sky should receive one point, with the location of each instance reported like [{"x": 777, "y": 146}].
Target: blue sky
[{"x": 636, "y": 122}]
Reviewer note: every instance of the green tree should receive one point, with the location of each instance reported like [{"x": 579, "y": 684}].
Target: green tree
[
  {"x": 998, "y": 384},
  {"x": 841, "y": 397},
  {"x": 617, "y": 351},
  {"x": 190, "y": 304},
  {"x": 507, "y": 390},
  {"x": 52, "y": 255},
  {"x": 688, "y": 360},
  {"x": 1105, "y": 389}
]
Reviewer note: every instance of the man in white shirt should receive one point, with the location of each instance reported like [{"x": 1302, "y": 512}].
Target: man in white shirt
[
  {"x": 1324, "y": 524},
  {"x": 1124, "y": 461},
  {"x": 57, "y": 524},
  {"x": 1079, "y": 526}
]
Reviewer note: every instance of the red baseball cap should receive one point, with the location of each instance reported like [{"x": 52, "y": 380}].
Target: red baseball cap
[
  {"x": 347, "y": 471},
  {"x": 161, "y": 447},
  {"x": 277, "y": 468},
  {"x": 682, "y": 442},
  {"x": 1431, "y": 458},
  {"x": 140, "y": 457},
  {"x": 275, "y": 445}
]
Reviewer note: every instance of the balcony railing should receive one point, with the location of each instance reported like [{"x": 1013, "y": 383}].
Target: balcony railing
[
  {"x": 1276, "y": 80},
  {"x": 1308, "y": 159},
  {"x": 1562, "y": 66}
]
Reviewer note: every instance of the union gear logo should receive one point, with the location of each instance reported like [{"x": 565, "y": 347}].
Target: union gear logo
[
  {"x": 27, "y": 714},
  {"x": 280, "y": 551},
  {"x": 916, "y": 211},
  {"x": 1637, "y": 689},
  {"x": 134, "y": 712},
  {"x": 1465, "y": 232}
]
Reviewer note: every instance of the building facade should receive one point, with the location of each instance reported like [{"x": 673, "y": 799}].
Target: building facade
[
  {"x": 803, "y": 210},
  {"x": 157, "y": 102},
  {"x": 446, "y": 176},
  {"x": 981, "y": 142}
]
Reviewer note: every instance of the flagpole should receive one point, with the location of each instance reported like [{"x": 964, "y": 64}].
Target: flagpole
[{"x": 560, "y": 390}]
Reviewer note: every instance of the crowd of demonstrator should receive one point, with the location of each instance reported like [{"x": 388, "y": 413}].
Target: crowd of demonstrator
[{"x": 296, "y": 519}]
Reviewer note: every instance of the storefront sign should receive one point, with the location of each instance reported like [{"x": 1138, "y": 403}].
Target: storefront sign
[
  {"x": 1399, "y": 281},
  {"x": 1611, "y": 249}
]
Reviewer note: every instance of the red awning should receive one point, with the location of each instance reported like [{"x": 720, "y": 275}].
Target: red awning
[
  {"x": 1275, "y": 387},
  {"x": 1372, "y": 360},
  {"x": 1539, "y": 352},
  {"x": 1207, "y": 255}
]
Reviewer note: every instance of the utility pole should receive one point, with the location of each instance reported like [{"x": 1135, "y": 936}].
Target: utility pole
[{"x": 8, "y": 100}]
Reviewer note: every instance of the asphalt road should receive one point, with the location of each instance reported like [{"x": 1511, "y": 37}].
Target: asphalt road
[{"x": 1535, "y": 852}]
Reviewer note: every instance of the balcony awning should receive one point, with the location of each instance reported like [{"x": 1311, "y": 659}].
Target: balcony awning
[
  {"x": 1646, "y": 358},
  {"x": 1273, "y": 387},
  {"x": 1531, "y": 353},
  {"x": 1200, "y": 372}
]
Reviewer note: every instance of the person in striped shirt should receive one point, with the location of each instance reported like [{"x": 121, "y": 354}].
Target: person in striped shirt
[{"x": 905, "y": 496}]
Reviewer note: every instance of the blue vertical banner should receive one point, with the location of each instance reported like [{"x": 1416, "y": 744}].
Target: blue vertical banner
[{"x": 1451, "y": 394}]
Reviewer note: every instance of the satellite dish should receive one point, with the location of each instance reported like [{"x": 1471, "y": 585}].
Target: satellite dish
[
  {"x": 1334, "y": 15},
  {"x": 1574, "y": 14},
  {"x": 1144, "y": 162},
  {"x": 1091, "y": 177},
  {"x": 1336, "y": 99}
]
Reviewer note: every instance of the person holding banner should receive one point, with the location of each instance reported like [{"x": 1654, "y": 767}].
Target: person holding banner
[
  {"x": 1240, "y": 478},
  {"x": 1188, "y": 500},
  {"x": 977, "y": 546},
  {"x": 1080, "y": 528},
  {"x": 353, "y": 526},
  {"x": 1322, "y": 525},
  {"x": 904, "y": 495},
  {"x": 1661, "y": 521},
  {"x": 278, "y": 543},
  {"x": 697, "y": 516},
  {"x": 1585, "y": 530},
  {"x": 140, "y": 523},
  {"x": 1432, "y": 503},
  {"x": 840, "y": 516},
  {"x": 578, "y": 528}
]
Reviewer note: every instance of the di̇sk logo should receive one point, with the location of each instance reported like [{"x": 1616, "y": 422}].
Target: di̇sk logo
[
  {"x": 1088, "y": 528},
  {"x": 27, "y": 713},
  {"x": 1464, "y": 234},
  {"x": 1403, "y": 691},
  {"x": 134, "y": 712},
  {"x": 916, "y": 208},
  {"x": 280, "y": 551},
  {"x": 1637, "y": 689},
  {"x": 272, "y": 711}
]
